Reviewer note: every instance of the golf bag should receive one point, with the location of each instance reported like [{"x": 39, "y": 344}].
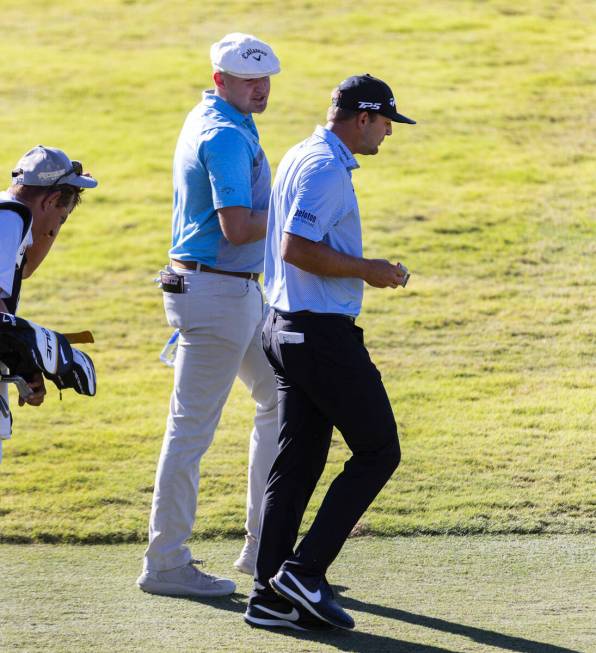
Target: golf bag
[{"x": 27, "y": 348}]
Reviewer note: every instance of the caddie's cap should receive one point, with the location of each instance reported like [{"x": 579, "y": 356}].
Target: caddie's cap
[
  {"x": 367, "y": 93},
  {"x": 49, "y": 166},
  {"x": 245, "y": 56}
]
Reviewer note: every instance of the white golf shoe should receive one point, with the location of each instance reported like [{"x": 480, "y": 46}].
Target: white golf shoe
[
  {"x": 247, "y": 560},
  {"x": 185, "y": 581}
]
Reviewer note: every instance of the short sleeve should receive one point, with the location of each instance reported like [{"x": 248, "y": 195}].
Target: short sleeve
[
  {"x": 228, "y": 159},
  {"x": 317, "y": 204},
  {"x": 11, "y": 228}
]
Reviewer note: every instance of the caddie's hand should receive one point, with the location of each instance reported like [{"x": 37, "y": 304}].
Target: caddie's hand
[
  {"x": 380, "y": 273},
  {"x": 39, "y": 391}
]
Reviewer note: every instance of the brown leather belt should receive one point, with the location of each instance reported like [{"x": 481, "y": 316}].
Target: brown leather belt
[{"x": 201, "y": 267}]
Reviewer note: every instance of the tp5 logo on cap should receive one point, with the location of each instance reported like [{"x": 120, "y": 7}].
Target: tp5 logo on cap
[{"x": 367, "y": 93}]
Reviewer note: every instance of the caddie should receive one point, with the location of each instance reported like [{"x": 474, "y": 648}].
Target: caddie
[
  {"x": 211, "y": 293},
  {"x": 46, "y": 187}
]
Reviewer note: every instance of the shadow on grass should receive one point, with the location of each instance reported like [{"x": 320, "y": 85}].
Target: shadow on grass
[
  {"x": 480, "y": 635},
  {"x": 352, "y": 641},
  {"x": 361, "y": 642}
]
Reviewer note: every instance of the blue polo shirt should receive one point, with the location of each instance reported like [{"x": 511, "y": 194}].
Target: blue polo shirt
[
  {"x": 313, "y": 197},
  {"x": 218, "y": 163}
]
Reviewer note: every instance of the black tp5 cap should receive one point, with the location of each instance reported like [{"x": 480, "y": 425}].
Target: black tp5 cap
[{"x": 367, "y": 93}]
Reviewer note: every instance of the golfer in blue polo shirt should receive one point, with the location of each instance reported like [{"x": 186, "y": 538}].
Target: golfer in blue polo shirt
[
  {"x": 314, "y": 277},
  {"x": 212, "y": 295}
]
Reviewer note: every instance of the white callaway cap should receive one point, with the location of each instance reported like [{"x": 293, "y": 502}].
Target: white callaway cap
[{"x": 245, "y": 56}]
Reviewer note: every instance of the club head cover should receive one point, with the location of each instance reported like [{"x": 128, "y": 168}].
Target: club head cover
[
  {"x": 27, "y": 348},
  {"x": 80, "y": 375}
]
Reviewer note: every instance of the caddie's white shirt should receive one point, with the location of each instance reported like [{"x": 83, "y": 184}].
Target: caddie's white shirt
[
  {"x": 313, "y": 197},
  {"x": 11, "y": 229}
]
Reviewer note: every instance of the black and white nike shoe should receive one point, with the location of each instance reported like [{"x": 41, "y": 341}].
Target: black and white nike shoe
[
  {"x": 279, "y": 613},
  {"x": 313, "y": 594}
]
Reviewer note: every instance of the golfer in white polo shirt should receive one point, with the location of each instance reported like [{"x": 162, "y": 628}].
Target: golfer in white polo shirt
[
  {"x": 314, "y": 277},
  {"x": 212, "y": 295}
]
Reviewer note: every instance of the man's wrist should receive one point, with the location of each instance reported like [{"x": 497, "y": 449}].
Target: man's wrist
[{"x": 362, "y": 268}]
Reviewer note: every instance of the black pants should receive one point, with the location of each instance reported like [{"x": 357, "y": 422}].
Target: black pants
[{"x": 325, "y": 381}]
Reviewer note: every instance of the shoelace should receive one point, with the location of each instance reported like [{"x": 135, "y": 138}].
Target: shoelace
[{"x": 201, "y": 563}]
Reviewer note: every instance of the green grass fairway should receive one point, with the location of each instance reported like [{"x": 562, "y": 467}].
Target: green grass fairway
[
  {"x": 488, "y": 355},
  {"x": 413, "y": 595}
]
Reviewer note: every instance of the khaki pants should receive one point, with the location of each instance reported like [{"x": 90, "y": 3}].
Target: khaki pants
[{"x": 220, "y": 320}]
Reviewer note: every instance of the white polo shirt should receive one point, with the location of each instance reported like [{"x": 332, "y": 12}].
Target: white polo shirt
[
  {"x": 11, "y": 251},
  {"x": 313, "y": 197}
]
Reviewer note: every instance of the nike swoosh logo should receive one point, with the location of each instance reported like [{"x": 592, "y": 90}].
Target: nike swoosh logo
[
  {"x": 290, "y": 616},
  {"x": 315, "y": 597}
]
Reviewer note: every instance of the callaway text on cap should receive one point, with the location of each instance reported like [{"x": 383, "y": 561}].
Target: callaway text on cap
[{"x": 245, "y": 56}]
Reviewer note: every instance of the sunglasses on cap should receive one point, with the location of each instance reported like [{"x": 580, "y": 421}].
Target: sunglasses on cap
[{"x": 77, "y": 169}]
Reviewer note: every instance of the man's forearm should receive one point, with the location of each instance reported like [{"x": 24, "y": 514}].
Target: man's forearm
[
  {"x": 241, "y": 225},
  {"x": 324, "y": 261},
  {"x": 320, "y": 259},
  {"x": 3, "y": 307},
  {"x": 42, "y": 243},
  {"x": 257, "y": 226}
]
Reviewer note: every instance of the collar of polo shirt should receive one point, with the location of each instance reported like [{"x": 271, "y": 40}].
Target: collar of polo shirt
[
  {"x": 229, "y": 111},
  {"x": 344, "y": 154}
]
